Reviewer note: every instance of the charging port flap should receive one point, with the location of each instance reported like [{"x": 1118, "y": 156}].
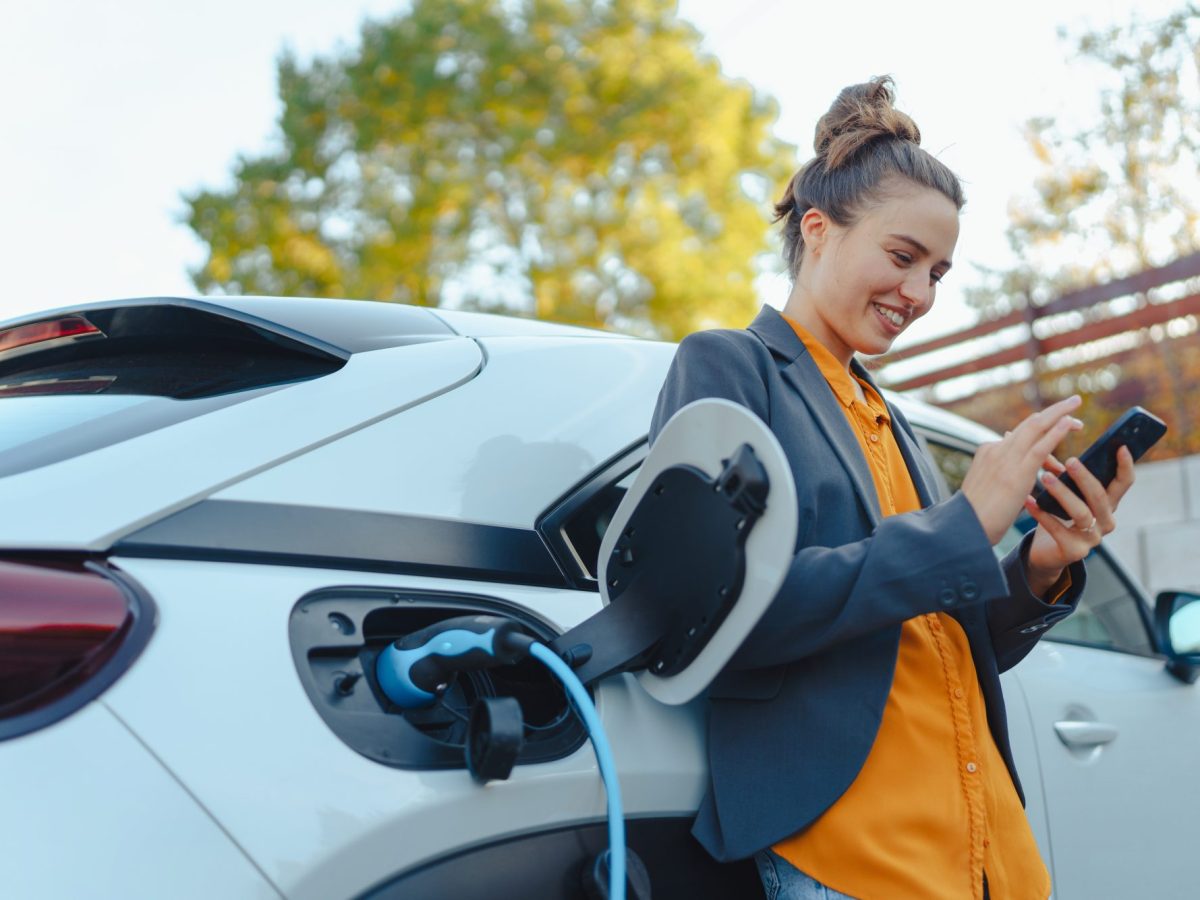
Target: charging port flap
[{"x": 714, "y": 565}]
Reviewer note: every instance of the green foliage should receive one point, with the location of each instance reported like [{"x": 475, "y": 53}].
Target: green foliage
[
  {"x": 1116, "y": 196},
  {"x": 579, "y": 160},
  {"x": 1120, "y": 193}
]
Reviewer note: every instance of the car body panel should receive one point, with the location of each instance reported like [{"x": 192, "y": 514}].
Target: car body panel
[
  {"x": 940, "y": 421},
  {"x": 89, "y": 501},
  {"x": 498, "y": 450},
  {"x": 320, "y": 820},
  {"x": 89, "y": 812},
  {"x": 1115, "y": 808},
  {"x": 481, "y": 325}
]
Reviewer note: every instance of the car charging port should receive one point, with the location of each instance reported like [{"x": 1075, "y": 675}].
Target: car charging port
[{"x": 337, "y": 636}]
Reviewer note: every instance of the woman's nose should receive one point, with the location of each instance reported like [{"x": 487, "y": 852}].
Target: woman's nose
[{"x": 917, "y": 288}]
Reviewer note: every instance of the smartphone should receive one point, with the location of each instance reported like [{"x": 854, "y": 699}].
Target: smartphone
[{"x": 1137, "y": 429}]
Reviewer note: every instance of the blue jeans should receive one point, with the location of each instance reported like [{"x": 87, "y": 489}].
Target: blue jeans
[{"x": 783, "y": 881}]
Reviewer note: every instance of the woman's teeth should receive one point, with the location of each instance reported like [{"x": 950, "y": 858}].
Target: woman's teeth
[{"x": 891, "y": 315}]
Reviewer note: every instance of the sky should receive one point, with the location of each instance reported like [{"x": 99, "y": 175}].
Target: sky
[{"x": 113, "y": 110}]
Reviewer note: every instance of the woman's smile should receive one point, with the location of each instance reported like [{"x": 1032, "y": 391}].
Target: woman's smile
[{"x": 893, "y": 320}]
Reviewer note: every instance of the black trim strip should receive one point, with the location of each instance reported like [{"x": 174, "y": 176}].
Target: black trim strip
[{"x": 283, "y": 534}]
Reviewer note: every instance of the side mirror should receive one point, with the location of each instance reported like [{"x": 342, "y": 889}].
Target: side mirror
[{"x": 1177, "y": 620}]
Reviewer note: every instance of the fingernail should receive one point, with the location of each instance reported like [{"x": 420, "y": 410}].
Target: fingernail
[
  {"x": 1048, "y": 479},
  {"x": 1073, "y": 464},
  {"x": 1076, "y": 422}
]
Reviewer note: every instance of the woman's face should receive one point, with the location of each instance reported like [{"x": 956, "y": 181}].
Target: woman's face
[{"x": 861, "y": 285}]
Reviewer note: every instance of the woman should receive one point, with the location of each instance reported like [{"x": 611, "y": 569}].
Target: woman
[{"x": 857, "y": 742}]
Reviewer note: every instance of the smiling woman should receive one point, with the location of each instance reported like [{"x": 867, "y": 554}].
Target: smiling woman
[
  {"x": 866, "y": 284},
  {"x": 858, "y": 744}
]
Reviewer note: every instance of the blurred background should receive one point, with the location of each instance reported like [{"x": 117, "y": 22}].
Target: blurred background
[{"x": 613, "y": 163}]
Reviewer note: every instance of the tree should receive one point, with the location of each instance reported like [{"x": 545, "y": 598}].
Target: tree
[
  {"x": 1116, "y": 195},
  {"x": 579, "y": 160},
  {"x": 1120, "y": 193}
]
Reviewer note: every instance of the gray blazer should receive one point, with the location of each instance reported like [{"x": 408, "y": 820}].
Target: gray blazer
[{"x": 793, "y": 716}]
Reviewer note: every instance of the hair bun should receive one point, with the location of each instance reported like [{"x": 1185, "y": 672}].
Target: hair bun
[{"x": 862, "y": 113}]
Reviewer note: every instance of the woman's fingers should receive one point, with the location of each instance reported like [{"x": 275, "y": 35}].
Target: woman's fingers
[
  {"x": 1124, "y": 480},
  {"x": 1077, "y": 509},
  {"x": 1051, "y": 464},
  {"x": 1034, "y": 429},
  {"x": 1003, "y": 471},
  {"x": 1073, "y": 543},
  {"x": 1052, "y": 436},
  {"x": 1095, "y": 496}
]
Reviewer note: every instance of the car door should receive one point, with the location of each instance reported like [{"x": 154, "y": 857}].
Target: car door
[{"x": 1113, "y": 733}]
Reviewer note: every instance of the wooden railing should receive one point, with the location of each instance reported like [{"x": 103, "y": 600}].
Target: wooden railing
[{"x": 1032, "y": 347}]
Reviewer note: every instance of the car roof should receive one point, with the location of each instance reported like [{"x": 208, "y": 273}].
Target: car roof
[
  {"x": 349, "y": 326},
  {"x": 934, "y": 418}
]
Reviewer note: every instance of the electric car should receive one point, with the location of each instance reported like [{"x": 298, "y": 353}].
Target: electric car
[{"x": 217, "y": 514}]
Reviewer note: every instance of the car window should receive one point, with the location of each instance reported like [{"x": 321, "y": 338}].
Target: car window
[
  {"x": 574, "y": 526},
  {"x": 125, "y": 372},
  {"x": 1110, "y": 613}
]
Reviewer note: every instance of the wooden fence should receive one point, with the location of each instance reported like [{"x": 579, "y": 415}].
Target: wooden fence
[{"x": 1031, "y": 347}]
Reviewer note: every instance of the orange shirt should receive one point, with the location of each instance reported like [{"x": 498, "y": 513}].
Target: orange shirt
[{"x": 933, "y": 807}]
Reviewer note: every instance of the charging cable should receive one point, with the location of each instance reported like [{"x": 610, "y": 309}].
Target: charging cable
[
  {"x": 416, "y": 669},
  {"x": 604, "y": 759}
]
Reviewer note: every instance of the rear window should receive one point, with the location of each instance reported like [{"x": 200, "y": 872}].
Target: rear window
[{"x": 130, "y": 371}]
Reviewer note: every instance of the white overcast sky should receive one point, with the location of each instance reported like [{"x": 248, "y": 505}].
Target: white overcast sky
[{"x": 111, "y": 110}]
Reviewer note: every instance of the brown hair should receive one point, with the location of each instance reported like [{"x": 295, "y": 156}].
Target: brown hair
[{"x": 861, "y": 141}]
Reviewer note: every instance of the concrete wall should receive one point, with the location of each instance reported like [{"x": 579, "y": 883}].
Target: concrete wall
[{"x": 1158, "y": 526}]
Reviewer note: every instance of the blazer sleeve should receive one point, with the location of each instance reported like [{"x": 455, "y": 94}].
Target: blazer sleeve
[
  {"x": 1018, "y": 621},
  {"x": 928, "y": 560}
]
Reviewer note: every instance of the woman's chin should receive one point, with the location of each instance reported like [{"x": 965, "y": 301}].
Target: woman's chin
[{"x": 876, "y": 346}]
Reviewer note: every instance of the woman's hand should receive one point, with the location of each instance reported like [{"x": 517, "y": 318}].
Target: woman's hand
[
  {"x": 1059, "y": 542},
  {"x": 998, "y": 482}
]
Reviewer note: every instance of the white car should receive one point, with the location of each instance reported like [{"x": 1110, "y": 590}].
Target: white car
[{"x": 217, "y": 513}]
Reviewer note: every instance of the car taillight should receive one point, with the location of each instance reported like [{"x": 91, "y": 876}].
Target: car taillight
[
  {"x": 46, "y": 334},
  {"x": 67, "y": 630}
]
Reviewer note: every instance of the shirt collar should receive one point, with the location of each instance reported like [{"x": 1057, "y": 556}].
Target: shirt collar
[{"x": 840, "y": 380}]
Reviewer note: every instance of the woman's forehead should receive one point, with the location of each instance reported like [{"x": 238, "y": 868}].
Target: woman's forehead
[{"x": 920, "y": 213}]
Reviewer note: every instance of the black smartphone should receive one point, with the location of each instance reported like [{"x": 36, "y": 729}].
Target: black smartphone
[{"x": 1137, "y": 429}]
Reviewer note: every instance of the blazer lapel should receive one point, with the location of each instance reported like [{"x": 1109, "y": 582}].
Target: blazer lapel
[{"x": 806, "y": 379}]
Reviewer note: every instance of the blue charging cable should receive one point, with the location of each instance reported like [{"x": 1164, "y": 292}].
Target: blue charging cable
[
  {"x": 604, "y": 759},
  {"x": 414, "y": 671}
]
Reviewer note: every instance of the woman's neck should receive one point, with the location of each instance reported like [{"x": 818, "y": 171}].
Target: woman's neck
[{"x": 803, "y": 312}]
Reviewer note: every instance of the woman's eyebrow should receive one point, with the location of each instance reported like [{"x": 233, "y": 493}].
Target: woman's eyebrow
[{"x": 920, "y": 248}]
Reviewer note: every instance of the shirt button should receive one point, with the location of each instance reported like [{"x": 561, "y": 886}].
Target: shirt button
[
  {"x": 874, "y": 439},
  {"x": 958, "y": 692},
  {"x": 986, "y": 842},
  {"x": 971, "y": 767}
]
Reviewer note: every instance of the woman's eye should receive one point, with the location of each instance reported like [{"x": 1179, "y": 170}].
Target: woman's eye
[
  {"x": 901, "y": 257},
  {"x": 935, "y": 277}
]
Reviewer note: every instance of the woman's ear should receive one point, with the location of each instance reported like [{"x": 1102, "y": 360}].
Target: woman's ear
[{"x": 814, "y": 229}]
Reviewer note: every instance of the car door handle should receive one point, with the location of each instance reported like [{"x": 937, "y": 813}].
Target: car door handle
[{"x": 1085, "y": 734}]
